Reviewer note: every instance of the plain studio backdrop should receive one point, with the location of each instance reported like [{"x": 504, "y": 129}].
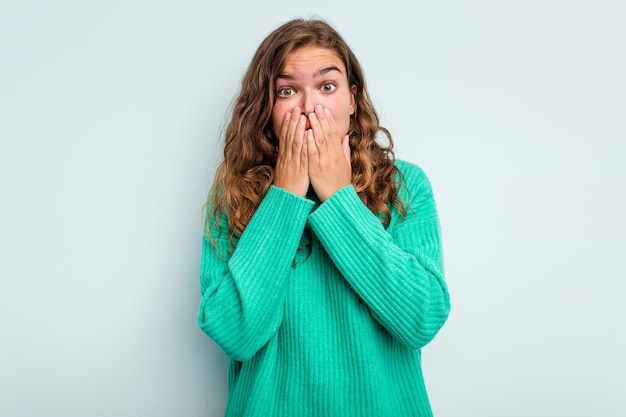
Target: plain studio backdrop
[{"x": 110, "y": 118}]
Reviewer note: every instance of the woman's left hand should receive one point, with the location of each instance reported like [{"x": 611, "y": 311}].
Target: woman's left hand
[{"x": 328, "y": 153}]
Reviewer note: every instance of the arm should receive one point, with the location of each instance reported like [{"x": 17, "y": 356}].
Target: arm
[
  {"x": 397, "y": 272},
  {"x": 243, "y": 295}
]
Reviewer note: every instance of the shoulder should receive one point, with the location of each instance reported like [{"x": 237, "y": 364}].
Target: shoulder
[
  {"x": 414, "y": 188},
  {"x": 411, "y": 176}
]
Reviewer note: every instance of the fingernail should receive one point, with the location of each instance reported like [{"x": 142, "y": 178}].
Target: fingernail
[{"x": 319, "y": 108}]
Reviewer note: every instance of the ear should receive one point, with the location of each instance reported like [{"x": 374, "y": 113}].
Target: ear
[{"x": 352, "y": 99}]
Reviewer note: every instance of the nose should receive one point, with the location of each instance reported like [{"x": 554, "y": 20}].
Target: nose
[{"x": 307, "y": 104}]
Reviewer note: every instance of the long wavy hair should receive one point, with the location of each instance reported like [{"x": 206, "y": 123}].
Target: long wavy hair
[{"x": 251, "y": 147}]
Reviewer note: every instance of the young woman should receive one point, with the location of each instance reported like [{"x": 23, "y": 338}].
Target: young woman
[{"x": 321, "y": 271}]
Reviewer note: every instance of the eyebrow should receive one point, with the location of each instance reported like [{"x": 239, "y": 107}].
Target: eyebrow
[
  {"x": 326, "y": 70},
  {"x": 317, "y": 73}
]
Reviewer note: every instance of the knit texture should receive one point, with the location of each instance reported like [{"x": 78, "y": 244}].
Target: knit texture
[{"x": 335, "y": 329}]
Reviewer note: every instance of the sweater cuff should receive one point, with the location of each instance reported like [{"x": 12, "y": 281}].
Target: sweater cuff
[
  {"x": 344, "y": 213},
  {"x": 279, "y": 206},
  {"x": 280, "y": 214},
  {"x": 274, "y": 230}
]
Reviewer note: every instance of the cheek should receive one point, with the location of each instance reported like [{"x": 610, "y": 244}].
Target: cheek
[
  {"x": 278, "y": 114},
  {"x": 341, "y": 113}
]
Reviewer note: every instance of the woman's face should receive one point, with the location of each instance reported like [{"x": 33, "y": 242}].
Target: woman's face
[{"x": 313, "y": 75}]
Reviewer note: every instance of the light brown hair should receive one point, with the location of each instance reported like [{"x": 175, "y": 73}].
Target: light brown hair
[{"x": 250, "y": 145}]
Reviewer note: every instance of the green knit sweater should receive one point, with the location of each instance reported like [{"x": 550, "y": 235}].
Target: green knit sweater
[{"x": 335, "y": 330}]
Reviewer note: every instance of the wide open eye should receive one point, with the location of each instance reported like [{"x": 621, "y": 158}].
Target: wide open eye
[
  {"x": 328, "y": 87},
  {"x": 286, "y": 92}
]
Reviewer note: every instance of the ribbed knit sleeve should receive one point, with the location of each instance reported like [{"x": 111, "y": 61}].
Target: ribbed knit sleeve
[
  {"x": 243, "y": 295},
  {"x": 397, "y": 272}
]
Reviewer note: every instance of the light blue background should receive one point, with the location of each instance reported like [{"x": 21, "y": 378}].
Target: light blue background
[{"x": 110, "y": 116}]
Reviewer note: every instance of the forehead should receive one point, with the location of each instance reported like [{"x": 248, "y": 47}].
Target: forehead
[{"x": 312, "y": 58}]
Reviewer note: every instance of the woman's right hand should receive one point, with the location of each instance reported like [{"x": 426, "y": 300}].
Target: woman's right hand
[{"x": 292, "y": 166}]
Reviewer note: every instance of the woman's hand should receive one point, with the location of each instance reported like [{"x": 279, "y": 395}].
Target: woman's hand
[
  {"x": 328, "y": 154},
  {"x": 292, "y": 172}
]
